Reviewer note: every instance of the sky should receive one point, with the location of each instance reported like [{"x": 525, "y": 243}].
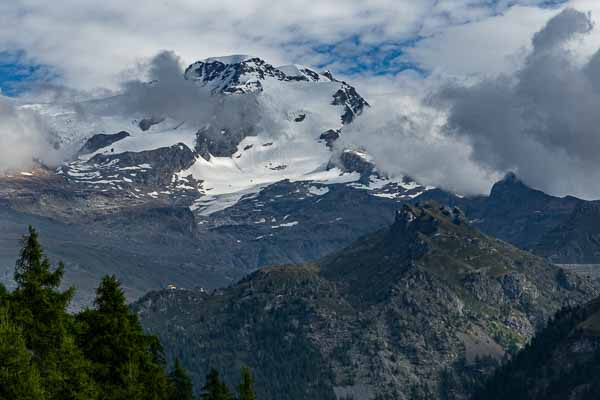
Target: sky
[
  {"x": 470, "y": 75},
  {"x": 89, "y": 44}
]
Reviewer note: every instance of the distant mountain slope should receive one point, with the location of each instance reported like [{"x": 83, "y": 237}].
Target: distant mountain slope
[
  {"x": 562, "y": 361},
  {"x": 518, "y": 213},
  {"x": 415, "y": 311},
  {"x": 576, "y": 240},
  {"x": 150, "y": 245}
]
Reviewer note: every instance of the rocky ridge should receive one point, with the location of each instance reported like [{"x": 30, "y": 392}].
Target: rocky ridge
[{"x": 413, "y": 311}]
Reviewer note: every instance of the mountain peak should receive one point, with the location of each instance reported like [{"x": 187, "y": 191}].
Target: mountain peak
[
  {"x": 511, "y": 185},
  {"x": 236, "y": 74},
  {"x": 511, "y": 177},
  {"x": 241, "y": 73},
  {"x": 231, "y": 59},
  {"x": 426, "y": 217}
]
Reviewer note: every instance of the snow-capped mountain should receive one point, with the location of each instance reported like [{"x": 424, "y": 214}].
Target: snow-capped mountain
[
  {"x": 199, "y": 179},
  {"x": 202, "y": 177},
  {"x": 267, "y": 124}
]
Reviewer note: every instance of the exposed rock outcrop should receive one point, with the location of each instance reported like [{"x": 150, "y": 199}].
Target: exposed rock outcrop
[{"x": 102, "y": 140}]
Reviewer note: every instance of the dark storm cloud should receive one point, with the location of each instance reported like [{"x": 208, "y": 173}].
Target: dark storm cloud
[{"x": 543, "y": 121}]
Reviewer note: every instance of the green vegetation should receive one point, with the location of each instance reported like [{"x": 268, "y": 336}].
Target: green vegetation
[
  {"x": 246, "y": 387},
  {"x": 102, "y": 353},
  {"x": 214, "y": 389},
  {"x": 539, "y": 371},
  {"x": 182, "y": 384}
]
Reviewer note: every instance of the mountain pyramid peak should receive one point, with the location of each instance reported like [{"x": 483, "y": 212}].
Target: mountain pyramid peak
[{"x": 230, "y": 59}]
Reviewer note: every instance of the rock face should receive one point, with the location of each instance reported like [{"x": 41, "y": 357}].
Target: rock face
[
  {"x": 233, "y": 75},
  {"x": 147, "y": 123},
  {"x": 241, "y": 74},
  {"x": 577, "y": 240},
  {"x": 356, "y": 161},
  {"x": 353, "y": 103},
  {"x": 330, "y": 136},
  {"x": 152, "y": 167},
  {"x": 101, "y": 140},
  {"x": 562, "y": 361},
  {"x": 122, "y": 232},
  {"x": 220, "y": 144},
  {"x": 418, "y": 310}
]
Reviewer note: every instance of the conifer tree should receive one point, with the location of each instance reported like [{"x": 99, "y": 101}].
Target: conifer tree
[
  {"x": 19, "y": 378},
  {"x": 246, "y": 386},
  {"x": 181, "y": 384},
  {"x": 39, "y": 309},
  {"x": 3, "y": 296},
  {"x": 214, "y": 389},
  {"x": 103, "y": 353},
  {"x": 126, "y": 362}
]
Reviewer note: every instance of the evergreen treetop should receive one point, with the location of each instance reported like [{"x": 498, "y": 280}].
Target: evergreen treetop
[
  {"x": 246, "y": 387},
  {"x": 182, "y": 388},
  {"x": 214, "y": 389}
]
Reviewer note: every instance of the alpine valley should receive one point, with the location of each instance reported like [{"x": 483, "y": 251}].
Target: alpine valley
[{"x": 247, "y": 233}]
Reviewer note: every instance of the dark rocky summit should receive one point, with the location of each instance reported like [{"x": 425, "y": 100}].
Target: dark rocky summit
[
  {"x": 243, "y": 75},
  {"x": 521, "y": 215},
  {"x": 148, "y": 123},
  {"x": 353, "y": 103},
  {"x": 419, "y": 310},
  {"x": 513, "y": 211},
  {"x": 229, "y": 76},
  {"x": 330, "y": 136},
  {"x": 355, "y": 161}
]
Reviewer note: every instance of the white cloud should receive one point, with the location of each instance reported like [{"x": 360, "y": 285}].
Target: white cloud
[
  {"x": 91, "y": 42},
  {"x": 407, "y": 138},
  {"x": 540, "y": 120},
  {"x": 23, "y": 138},
  {"x": 488, "y": 46}
]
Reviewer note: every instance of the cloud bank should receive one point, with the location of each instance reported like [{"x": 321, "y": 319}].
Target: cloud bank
[
  {"x": 88, "y": 42},
  {"x": 542, "y": 121},
  {"x": 24, "y": 138},
  {"x": 406, "y": 137}
]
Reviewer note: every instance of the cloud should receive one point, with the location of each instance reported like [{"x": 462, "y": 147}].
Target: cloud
[
  {"x": 540, "y": 121},
  {"x": 406, "y": 137},
  {"x": 88, "y": 42},
  {"x": 489, "y": 46},
  {"x": 561, "y": 28},
  {"x": 24, "y": 138}
]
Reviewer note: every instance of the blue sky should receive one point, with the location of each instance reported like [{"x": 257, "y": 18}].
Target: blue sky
[{"x": 16, "y": 73}]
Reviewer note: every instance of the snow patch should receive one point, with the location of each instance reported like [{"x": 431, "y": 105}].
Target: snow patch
[
  {"x": 231, "y": 59},
  {"x": 286, "y": 225},
  {"x": 318, "y": 191}
]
